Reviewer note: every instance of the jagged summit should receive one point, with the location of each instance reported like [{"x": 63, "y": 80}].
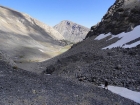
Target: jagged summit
[{"x": 71, "y": 31}]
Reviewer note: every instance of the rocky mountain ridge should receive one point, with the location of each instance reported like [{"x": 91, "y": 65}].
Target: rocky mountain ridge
[
  {"x": 122, "y": 16},
  {"x": 71, "y": 31}
]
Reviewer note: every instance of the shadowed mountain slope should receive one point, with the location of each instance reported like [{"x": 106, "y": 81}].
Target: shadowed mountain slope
[{"x": 25, "y": 39}]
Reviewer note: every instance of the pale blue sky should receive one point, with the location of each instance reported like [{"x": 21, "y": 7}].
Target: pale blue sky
[{"x": 51, "y": 12}]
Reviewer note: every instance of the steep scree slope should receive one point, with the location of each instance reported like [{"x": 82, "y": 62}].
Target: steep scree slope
[{"x": 26, "y": 39}]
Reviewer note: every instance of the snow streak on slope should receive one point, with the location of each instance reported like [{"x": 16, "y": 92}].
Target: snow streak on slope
[
  {"x": 124, "y": 92},
  {"x": 102, "y": 36},
  {"x": 124, "y": 38}
]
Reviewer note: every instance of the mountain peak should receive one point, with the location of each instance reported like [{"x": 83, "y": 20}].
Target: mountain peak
[{"x": 71, "y": 31}]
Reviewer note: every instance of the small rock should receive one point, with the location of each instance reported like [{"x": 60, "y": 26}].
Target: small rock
[{"x": 34, "y": 91}]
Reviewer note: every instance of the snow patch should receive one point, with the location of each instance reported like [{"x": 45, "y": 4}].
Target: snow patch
[
  {"x": 102, "y": 36},
  {"x": 41, "y": 50},
  {"x": 126, "y": 93},
  {"x": 125, "y": 38}
]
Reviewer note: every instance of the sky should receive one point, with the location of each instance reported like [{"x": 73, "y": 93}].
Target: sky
[{"x": 52, "y": 12}]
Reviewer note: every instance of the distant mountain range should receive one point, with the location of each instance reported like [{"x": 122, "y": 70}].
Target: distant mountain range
[{"x": 72, "y": 32}]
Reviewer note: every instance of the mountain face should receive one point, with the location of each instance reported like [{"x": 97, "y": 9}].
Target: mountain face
[
  {"x": 71, "y": 31},
  {"x": 121, "y": 21},
  {"x": 24, "y": 38},
  {"x": 123, "y": 16}
]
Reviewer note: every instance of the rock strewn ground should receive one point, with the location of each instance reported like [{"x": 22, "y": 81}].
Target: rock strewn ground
[
  {"x": 119, "y": 66},
  {"x": 19, "y": 87},
  {"x": 119, "y": 69}
]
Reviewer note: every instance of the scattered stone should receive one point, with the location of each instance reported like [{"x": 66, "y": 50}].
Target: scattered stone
[
  {"x": 118, "y": 67},
  {"x": 50, "y": 69},
  {"x": 34, "y": 91}
]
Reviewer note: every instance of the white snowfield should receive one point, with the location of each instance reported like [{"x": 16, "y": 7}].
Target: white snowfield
[
  {"x": 124, "y": 38},
  {"x": 124, "y": 92},
  {"x": 102, "y": 36}
]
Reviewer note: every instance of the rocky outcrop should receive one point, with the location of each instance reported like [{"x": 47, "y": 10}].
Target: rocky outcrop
[
  {"x": 71, "y": 31},
  {"x": 123, "y": 16}
]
